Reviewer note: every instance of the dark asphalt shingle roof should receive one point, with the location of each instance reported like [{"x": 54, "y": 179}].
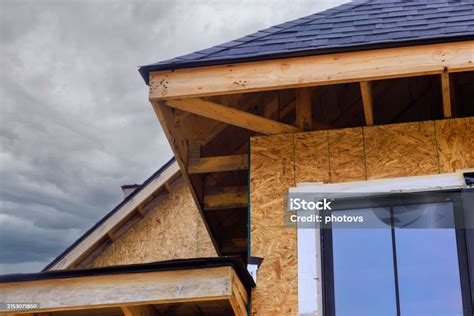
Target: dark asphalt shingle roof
[{"x": 361, "y": 24}]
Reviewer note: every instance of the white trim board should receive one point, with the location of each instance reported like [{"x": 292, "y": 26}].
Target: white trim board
[{"x": 405, "y": 184}]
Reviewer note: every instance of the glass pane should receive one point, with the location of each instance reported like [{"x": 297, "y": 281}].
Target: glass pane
[
  {"x": 363, "y": 268},
  {"x": 428, "y": 268}
]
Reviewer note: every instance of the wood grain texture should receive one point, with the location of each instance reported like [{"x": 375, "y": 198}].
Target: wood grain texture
[
  {"x": 446, "y": 94},
  {"x": 312, "y": 70},
  {"x": 272, "y": 173},
  {"x": 277, "y": 290},
  {"x": 312, "y": 157},
  {"x": 274, "y": 242},
  {"x": 455, "y": 139},
  {"x": 346, "y": 154},
  {"x": 172, "y": 230},
  {"x": 129, "y": 289},
  {"x": 400, "y": 150},
  {"x": 231, "y": 116}
]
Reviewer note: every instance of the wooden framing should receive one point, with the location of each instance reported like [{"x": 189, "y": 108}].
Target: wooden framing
[
  {"x": 231, "y": 116},
  {"x": 110, "y": 229},
  {"x": 313, "y": 70},
  {"x": 137, "y": 310},
  {"x": 226, "y": 197},
  {"x": 179, "y": 145},
  {"x": 367, "y": 102},
  {"x": 304, "y": 119},
  {"x": 127, "y": 290},
  {"x": 446, "y": 93},
  {"x": 219, "y": 164}
]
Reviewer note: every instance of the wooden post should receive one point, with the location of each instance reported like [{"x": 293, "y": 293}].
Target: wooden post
[
  {"x": 367, "y": 102},
  {"x": 446, "y": 93},
  {"x": 304, "y": 118}
]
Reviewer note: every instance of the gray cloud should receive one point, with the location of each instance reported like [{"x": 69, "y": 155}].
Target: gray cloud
[{"x": 75, "y": 122}]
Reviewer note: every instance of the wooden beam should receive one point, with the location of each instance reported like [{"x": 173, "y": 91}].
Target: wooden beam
[
  {"x": 313, "y": 70},
  {"x": 226, "y": 197},
  {"x": 446, "y": 93},
  {"x": 367, "y": 102},
  {"x": 272, "y": 108},
  {"x": 219, "y": 164},
  {"x": 125, "y": 291},
  {"x": 179, "y": 145},
  {"x": 304, "y": 119},
  {"x": 232, "y": 116},
  {"x": 137, "y": 310}
]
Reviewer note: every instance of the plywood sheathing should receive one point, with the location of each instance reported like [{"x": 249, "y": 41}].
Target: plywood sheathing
[
  {"x": 278, "y": 162},
  {"x": 346, "y": 155},
  {"x": 455, "y": 144},
  {"x": 311, "y": 156},
  {"x": 401, "y": 150},
  {"x": 272, "y": 173},
  {"x": 173, "y": 229}
]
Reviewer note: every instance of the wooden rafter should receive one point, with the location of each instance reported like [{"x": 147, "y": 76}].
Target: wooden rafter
[
  {"x": 179, "y": 145},
  {"x": 313, "y": 70},
  {"x": 231, "y": 116},
  {"x": 226, "y": 197},
  {"x": 219, "y": 164},
  {"x": 367, "y": 102},
  {"x": 446, "y": 93}
]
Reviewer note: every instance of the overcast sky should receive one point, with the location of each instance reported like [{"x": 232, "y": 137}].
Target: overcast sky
[{"x": 75, "y": 122}]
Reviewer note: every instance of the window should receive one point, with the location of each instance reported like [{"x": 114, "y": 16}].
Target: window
[{"x": 415, "y": 262}]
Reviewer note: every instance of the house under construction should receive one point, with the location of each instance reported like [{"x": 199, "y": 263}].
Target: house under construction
[{"x": 371, "y": 94}]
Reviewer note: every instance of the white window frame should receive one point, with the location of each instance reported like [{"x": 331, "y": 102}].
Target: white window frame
[{"x": 309, "y": 257}]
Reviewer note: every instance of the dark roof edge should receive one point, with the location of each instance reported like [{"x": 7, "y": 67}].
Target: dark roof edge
[
  {"x": 103, "y": 219},
  {"x": 145, "y": 70},
  {"x": 180, "y": 264}
]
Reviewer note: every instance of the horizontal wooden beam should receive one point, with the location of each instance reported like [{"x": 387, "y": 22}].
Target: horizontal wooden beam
[
  {"x": 232, "y": 116},
  {"x": 225, "y": 198},
  {"x": 219, "y": 164},
  {"x": 126, "y": 291},
  {"x": 313, "y": 70}
]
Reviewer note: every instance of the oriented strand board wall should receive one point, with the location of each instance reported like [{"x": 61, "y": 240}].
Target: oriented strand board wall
[
  {"x": 280, "y": 161},
  {"x": 172, "y": 230}
]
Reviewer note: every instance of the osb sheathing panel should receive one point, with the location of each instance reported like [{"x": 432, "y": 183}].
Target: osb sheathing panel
[
  {"x": 273, "y": 242},
  {"x": 455, "y": 144},
  {"x": 272, "y": 173},
  {"x": 335, "y": 156},
  {"x": 312, "y": 157},
  {"x": 400, "y": 150},
  {"x": 277, "y": 288},
  {"x": 346, "y": 155},
  {"x": 272, "y": 163},
  {"x": 172, "y": 230}
]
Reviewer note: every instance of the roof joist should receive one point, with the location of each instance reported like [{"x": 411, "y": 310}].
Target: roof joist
[
  {"x": 313, "y": 70},
  {"x": 231, "y": 116}
]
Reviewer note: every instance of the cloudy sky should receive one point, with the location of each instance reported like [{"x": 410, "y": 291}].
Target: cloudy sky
[{"x": 75, "y": 123}]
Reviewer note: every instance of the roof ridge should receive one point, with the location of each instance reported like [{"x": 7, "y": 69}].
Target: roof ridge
[{"x": 320, "y": 15}]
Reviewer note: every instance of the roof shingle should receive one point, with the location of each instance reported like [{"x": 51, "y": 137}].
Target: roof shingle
[{"x": 356, "y": 25}]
